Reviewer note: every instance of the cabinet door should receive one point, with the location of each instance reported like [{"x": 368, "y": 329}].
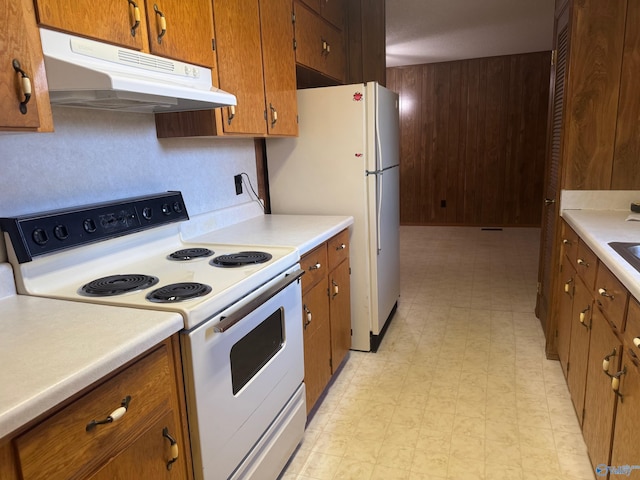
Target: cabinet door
[
  {"x": 626, "y": 436},
  {"x": 340, "y": 313},
  {"x": 600, "y": 400},
  {"x": 567, "y": 286},
  {"x": 579, "y": 348},
  {"x": 279, "y": 66},
  {"x": 319, "y": 45},
  {"x": 181, "y": 30},
  {"x": 317, "y": 342},
  {"x": 149, "y": 456},
  {"x": 19, "y": 41},
  {"x": 333, "y": 11},
  {"x": 111, "y": 21},
  {"x": 239, "y": 56}
]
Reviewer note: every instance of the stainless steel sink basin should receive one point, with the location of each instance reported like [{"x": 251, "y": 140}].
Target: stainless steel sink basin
[{"x": 630, "y": 251}]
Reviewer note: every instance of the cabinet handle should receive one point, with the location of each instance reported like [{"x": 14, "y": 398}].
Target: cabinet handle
[
  {"x": 583, "y": 317},
  {"x": 308, "y": 317},
  {"x": 324, "y": 46},
  {"x": 582, "y": 262},
  {"x": 605, "y": 363},
  {"x": 615, "y": 382},
  {"x": 342, "y": 246},
  {"x": 136, "y": 17},
  {"x": 315, "y": 267},
  {"x": 636, "y": 342},
  {"x": 336, "y": 288},
  {"x": 117, "y": 414},
  {"x": 174, "y": 447},
  {"x": 26, "y": 86},
  {"x": 231, "y": 113},
  {"x": 567, "y": 285},
  {"x": 161, "y": 22},
  {"x": 566, "y": 242},
  {"x": 603, "y": 292},
  {"x": 274, "y": 115}
]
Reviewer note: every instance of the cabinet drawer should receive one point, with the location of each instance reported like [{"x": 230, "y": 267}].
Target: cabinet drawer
[
  {"x": 61, "y": 447},
  {"x": 586, "y": 265},
  {"x": 569, "y": 242},
  {"x": 314, "y": 264},
  {"x": 611, "y": 296},
  {"x": 632, "y": 328},
  {"x": 338, "y": 248}
]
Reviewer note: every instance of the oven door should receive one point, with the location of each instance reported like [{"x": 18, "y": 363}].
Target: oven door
[{"x": 243, "y": 368}]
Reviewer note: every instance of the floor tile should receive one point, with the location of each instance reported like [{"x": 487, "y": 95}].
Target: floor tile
[{"x": 460, "y": 387}]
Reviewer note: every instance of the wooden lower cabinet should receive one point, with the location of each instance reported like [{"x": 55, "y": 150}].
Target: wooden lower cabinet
[
  {"x": 600, "y": 400},
  {"x": 563, "y": 327},
  {"x": 140, "y": 444},
  {"x": 579, "y": 348},
  {"x": 626, "y": 438},
  {"x": 326, "y": 315}
]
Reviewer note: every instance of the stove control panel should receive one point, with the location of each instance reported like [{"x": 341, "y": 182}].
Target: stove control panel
[{"x": 48, "y": 232}]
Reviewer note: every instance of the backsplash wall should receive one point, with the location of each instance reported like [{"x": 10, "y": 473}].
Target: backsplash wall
[{"x": 95, "y": 156}]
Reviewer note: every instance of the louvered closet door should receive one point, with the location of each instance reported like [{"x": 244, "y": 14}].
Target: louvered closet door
[{"x": 552, "y": 176}]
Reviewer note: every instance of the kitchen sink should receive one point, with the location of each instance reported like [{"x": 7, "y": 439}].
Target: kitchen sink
[{"x": 630, "y": 251}]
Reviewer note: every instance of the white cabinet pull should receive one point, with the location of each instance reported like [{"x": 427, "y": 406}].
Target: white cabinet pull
[
  {"x": 231, "y": 113},
  {"x": 308, "y": 316},
  {"x": 603, "y": 292},
  {"x": 174, "y": 447},
  {"x": 136, "y": 17},
  {"x": 636, "y": 342},
  {"x": 25, "y": 82},
  {"x": 567, "y": 285},
  {"x": 605, "y": 363},
  {"x": 583, "y": 317},
  {"x": 582, "y": 262},
  {"x": 615, "y": 382},
  {"x": 342, "y": 246},
  {"x": 161, "y": 21},
  {"x": 315, "y": 267},
  {"x": 274, "y": 115},
  {"x": 117, "y": 414},
  {"x": 336, "y": 288},
  {"x": 566, "y": 242}
]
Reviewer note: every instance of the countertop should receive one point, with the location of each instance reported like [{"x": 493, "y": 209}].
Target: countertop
[
  {"x": 301, "y": 231},
  {"x": 52, "y": 349},
  {"x": 599, "y": 227}
]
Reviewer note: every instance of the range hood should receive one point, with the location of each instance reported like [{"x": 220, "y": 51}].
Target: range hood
[{"x": 88, "y": 74}]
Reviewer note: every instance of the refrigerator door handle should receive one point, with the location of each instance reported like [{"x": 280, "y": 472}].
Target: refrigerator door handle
[{"x": 379, "y": 210}]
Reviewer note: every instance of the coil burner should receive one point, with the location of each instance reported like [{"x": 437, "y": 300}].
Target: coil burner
[
  {"x": 177, "y": 292},
  {"x": 190, "y": 253},
  {"x": 240, "y": 259},
  {"x": 117, "y": 284}
]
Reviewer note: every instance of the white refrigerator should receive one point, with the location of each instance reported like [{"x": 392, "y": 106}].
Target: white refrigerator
[{"x": 345, "y": 162}]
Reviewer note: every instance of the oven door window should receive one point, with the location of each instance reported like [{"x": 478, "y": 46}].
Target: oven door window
[{"x": 255, "y": 349}]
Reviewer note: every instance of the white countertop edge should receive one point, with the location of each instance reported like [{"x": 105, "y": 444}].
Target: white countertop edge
[
  {"x": 599, "y": 227},
  {"x": 30, "y": 408}
]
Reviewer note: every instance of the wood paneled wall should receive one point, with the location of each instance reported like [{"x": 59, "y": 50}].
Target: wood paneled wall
[{"x": 473, "y": 140}]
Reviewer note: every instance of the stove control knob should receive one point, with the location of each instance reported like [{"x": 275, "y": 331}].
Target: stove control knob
[
  {"x": 40, "y": 236},
  {"x": 89, "y": 225},
  {"x": 61, "y": 232},
  {"x": 166, "y": 209},
  {"x": 177, "y": 207},
  {"x": 147, "y": 213}
]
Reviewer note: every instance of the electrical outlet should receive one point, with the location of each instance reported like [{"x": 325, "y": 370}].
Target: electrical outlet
[{"x": 237, "y": 180}]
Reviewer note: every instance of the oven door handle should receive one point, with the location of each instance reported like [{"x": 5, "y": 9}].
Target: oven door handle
[{"x": 227, "y": 322}]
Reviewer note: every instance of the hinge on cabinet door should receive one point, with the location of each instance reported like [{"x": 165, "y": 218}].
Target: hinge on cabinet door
[
  {"x": 351, "y": 332},
  {"x": 265, "y": 114},
  {"x": 293, "y": 17},
  {"x": 295, "y": 44},
  {"x": 554, "y": 57},
  {"x": 213, "y": 44},
  {"x": 568, "y": 365},
  {"x": 539, "y": 288},
  {"x": 297, "y": 119},
  {"x": 331, "y": 363}
]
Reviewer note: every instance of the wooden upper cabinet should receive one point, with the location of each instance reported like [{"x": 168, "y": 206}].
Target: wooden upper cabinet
[
  {"x": 238, "y": 51},
  {"x": 138, "y": 24},
  {"x": 319, "y": 45},
  {"x": 112, "y": 21},
  {"x": 278, "y": 60},
  {"x": 333, "y": 11},
  {"x": 188, "y": 30},
  {"x": 20, "y": 44},
  {"x": 255, "y": 62}
]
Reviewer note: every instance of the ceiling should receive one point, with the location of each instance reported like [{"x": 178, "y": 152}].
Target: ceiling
[{"x": 430, "y": 31}]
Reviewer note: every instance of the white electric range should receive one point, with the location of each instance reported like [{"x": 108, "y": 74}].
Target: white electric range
[{"x": 241, "y": 345}]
